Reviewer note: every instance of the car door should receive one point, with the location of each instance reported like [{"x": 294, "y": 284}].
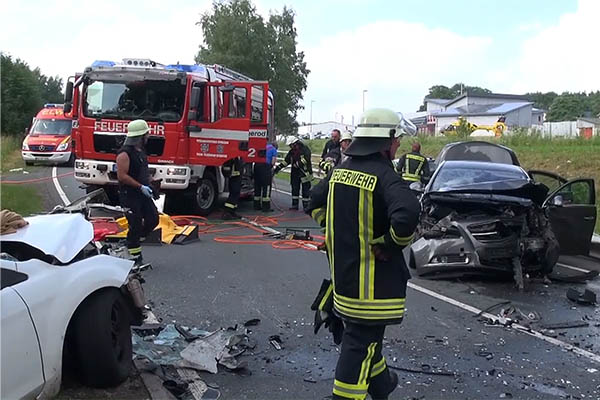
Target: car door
[
  {"x": 550, "y": 179},
  {"x": 22, "y": 372},
  {"x": 571, "y": 209}
]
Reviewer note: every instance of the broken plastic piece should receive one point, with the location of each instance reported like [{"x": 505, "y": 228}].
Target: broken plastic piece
[
  {"x": 275, "y": 341},
  {"x": 252, "y": 322},
  {"x": 587, "y": 297}
]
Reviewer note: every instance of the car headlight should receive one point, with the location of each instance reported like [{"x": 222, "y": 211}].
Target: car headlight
[
  {"x": 25, "y": 147},
  {"x": 82, "y": 165},
  {"x": 62, "y": 146},
  {"x": 176, "y": 171}
]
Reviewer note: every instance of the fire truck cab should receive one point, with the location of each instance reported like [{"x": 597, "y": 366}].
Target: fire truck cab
[
  {"x": 49, "y": 138},
  {"x": 200, "y": 116}
]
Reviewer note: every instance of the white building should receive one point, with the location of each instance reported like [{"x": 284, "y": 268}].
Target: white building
[
  {"x": 483, "y": 109},
  {"x": 322, "y": 130}
]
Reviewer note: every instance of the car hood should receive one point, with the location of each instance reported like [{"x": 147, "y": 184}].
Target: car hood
[
  {"x": 510, "y": 190},
  {"x": 62, "y": 236},
  {"x": 46, "y": 140}
]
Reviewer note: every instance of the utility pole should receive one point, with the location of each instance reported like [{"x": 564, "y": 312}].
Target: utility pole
[
  {"x": 364, "y": 91},
  {"x": 311, "y": 124}
]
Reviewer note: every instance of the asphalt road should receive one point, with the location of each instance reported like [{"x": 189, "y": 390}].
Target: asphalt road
[{"x": 208, "y": 284}]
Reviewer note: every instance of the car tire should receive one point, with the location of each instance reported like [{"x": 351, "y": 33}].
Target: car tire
[
  {"x": 205, "y": 194},
  {"x": 102, "y": 339}
]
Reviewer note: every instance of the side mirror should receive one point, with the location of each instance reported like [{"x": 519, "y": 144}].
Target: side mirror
[
  {"x": 416, "y": 187},
  {"x": 557, "y": 201},
  {"x": 67, "y": 107},
  {"x": 69, "y": 92}
]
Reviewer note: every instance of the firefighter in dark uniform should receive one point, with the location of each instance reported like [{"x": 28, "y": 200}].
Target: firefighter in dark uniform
[
  {"x": 413, "y": 166},
  {"x": 336, "y": 155},
  {"x": 135, "y": 193},
  {"x": 263, "y": 177},
  {"x": 232, "y": 169},
  {"x": 370, "y": 215},
  {"x": 299, "y": 158}
]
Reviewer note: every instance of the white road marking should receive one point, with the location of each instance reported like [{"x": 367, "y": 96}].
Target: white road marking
[
  {"x": 573, "y": 268},
  {"x": 59, "y": 189},
  {"x": 584, "y": 353}
]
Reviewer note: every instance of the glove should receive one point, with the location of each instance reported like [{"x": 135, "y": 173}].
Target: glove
[
  {"x": 276, "y": 170},
  {"x": 146, "y": 191}
]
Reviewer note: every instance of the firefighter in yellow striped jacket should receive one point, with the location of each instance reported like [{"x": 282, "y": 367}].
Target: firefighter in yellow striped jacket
[
  {"x": 413, "y": 166},
  {"x": 370, "y": 215}
]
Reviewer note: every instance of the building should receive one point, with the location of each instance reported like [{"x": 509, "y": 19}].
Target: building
[
  {"x": 588, "y": 127},
  {"x": 322, "y": 130},
  {"x": 483, "y": 109}
]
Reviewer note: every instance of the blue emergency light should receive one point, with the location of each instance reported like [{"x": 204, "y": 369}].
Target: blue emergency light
[
  {"x": 200, "y": 69},
  {"x": 52, "y": 105},
  {"x": 103, "y": 63}
]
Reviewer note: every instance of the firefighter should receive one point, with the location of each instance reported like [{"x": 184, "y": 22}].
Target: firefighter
[
  {"x": 369, "y": 216},
  {"x": 232, "y": 169},
  {"x": 262, "y": 180},
  {"x": 336, "y": 155},
  {"x": 135, "y": 193},
  {"x": 413, "y": 166},
  {"x": 301, "y": 176},
  {"x": 331, "y": 144}
]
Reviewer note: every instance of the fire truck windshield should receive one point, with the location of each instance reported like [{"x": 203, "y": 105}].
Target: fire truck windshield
[
  {"x": 51, "y": 127},
  {"x": 149, "y": 100}
]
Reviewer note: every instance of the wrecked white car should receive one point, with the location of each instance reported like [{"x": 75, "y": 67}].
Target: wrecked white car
[
  {"x": 485, "y": 214},
  {"x": 64, "y": 303}
]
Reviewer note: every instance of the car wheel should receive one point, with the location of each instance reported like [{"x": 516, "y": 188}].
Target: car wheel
[
  {"x": 206, "y": 194},
  {"x": 102, "y": 339}
]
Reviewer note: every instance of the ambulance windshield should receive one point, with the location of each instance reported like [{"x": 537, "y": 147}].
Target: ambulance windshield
[
  {"x": 150, "y": 100},
  {"x": 51, "y": 127}
]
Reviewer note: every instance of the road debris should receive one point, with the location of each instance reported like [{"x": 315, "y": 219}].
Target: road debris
[
  {"x": 276, "y": 341},
  {"x": 252, "y": 322},
  {"x": 566, "y": 325},
  {"x": 586, "y": 298},
  {"x": 426, "y": 369}
]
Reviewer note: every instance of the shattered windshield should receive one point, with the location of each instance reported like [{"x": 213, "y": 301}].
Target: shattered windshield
[
  {"x": 151, "y": 100},
  {"x": 51, "y": 127},
  {"x": 478, "y": 176}
]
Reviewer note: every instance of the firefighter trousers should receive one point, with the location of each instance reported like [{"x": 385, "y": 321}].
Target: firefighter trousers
[
  {"x": 262, "y": 186},
  {"x": 361, "y": 368},
  {"x": 296, "y": 182},
  {"x": 142, "y": 218},
  {"x": 235, "y": 187}
]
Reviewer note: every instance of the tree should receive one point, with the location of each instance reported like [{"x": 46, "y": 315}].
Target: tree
[
  {"x": 541, "y": 100},
  {"x": 567, "y": 107},
  {"x": 236, "y": 36},
  {"x": 50, "y": 87},
  {"x": 21, "y": 95}
]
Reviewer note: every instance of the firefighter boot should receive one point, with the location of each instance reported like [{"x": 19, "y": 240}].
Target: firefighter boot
[
  {"x": 230, "y": 215},
  {"x": 266, "y": 206},
  {"x": 393, "y": 383},
  {"x": 257, "y": 206}
]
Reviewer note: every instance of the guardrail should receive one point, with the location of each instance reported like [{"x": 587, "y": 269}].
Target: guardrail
[{"x": 317, "y": 172}]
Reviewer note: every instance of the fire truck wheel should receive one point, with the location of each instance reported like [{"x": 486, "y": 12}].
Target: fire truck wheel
[
  {"x": 206, "y": 194},
  {"x": 71, "y": 162}
]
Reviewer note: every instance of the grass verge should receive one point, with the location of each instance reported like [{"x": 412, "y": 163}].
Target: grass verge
[
  {"x": 20, "y": 198},
  {"x": 10, "y": 153}
]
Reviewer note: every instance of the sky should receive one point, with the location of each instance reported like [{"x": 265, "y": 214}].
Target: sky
[{"x": 394, "y": 50}]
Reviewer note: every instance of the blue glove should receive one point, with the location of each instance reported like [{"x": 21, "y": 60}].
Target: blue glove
[{"x": 146, "y": 191}]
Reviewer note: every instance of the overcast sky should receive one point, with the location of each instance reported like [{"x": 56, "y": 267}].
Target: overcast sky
[{"x": 395, "y": 50}]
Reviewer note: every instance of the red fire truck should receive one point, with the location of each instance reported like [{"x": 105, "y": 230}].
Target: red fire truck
[{"x": 200, "y": 116}]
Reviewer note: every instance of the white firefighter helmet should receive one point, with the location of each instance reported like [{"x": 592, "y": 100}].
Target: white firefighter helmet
[
  {"x": 346, "y": 135},
  {"x": 291, "y": 140},
  {"x": 375, "y": 130}
]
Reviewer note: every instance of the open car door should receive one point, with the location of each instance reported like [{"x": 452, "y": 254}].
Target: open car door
[
  {"x": 572, "y": 212},
  {"x": 550, "y": 179},
  {"x": 222, "y": 129}
]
